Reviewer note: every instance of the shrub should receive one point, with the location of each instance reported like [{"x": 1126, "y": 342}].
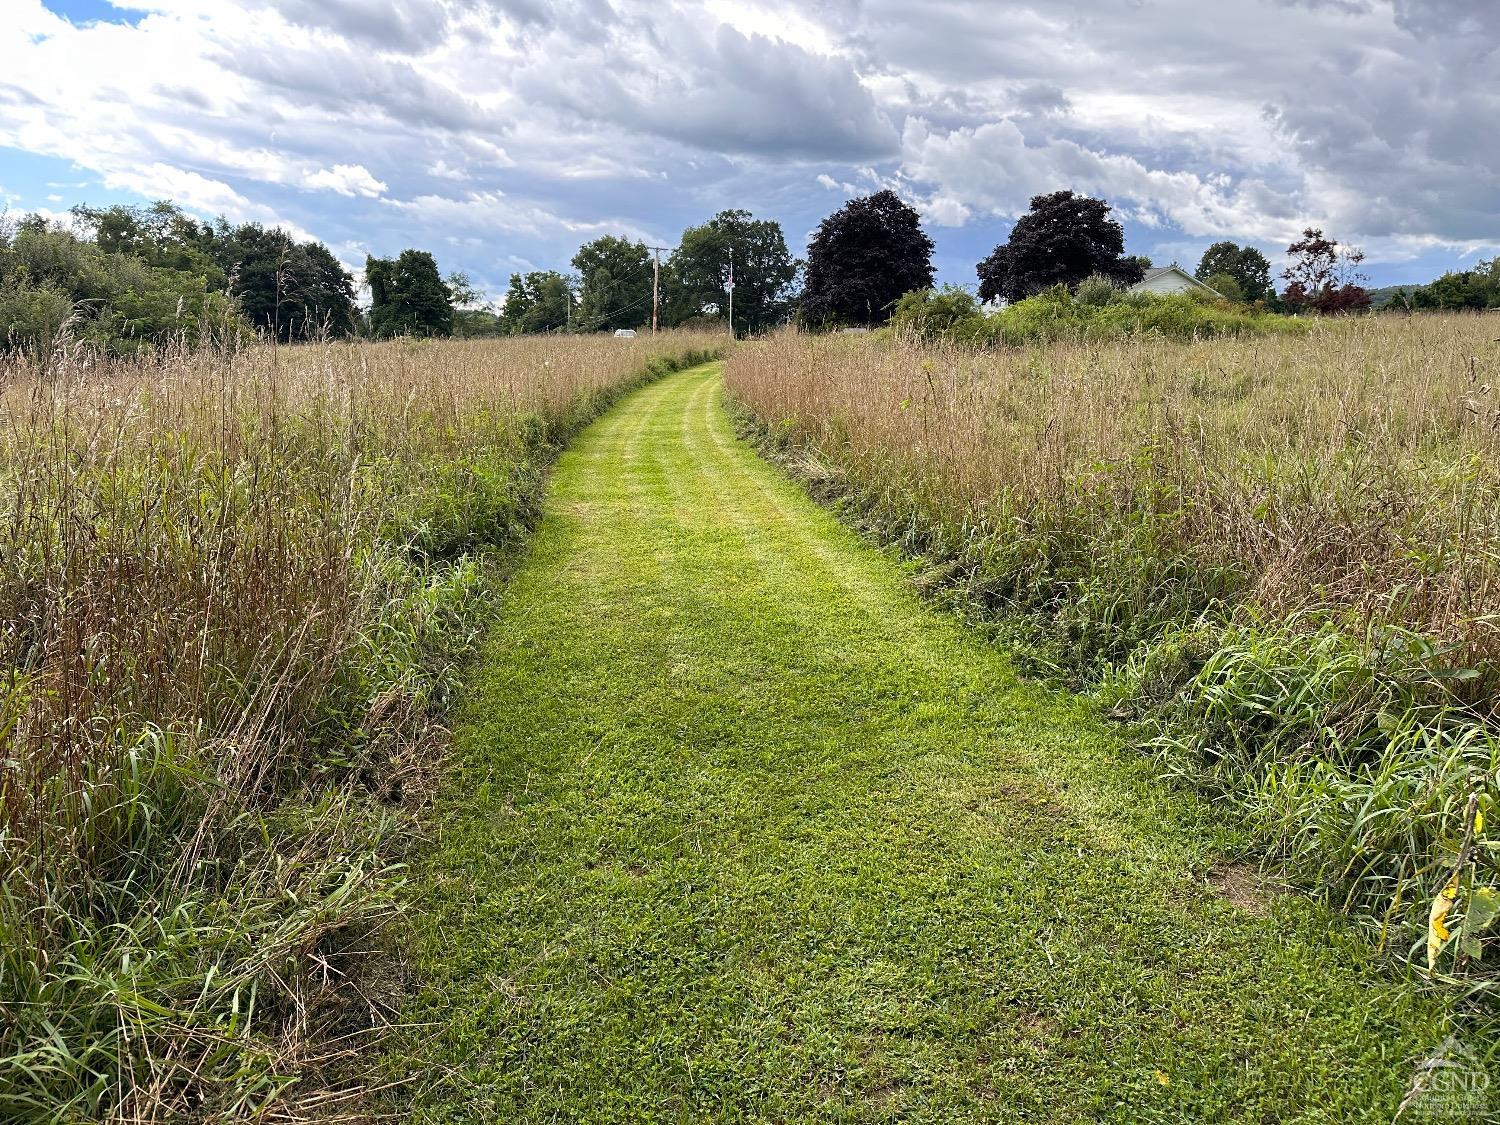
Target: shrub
[
  {"x": 1057, "y": 315},
  {"x": 949, "y": 313},
  {"x": 1100, "y": 310},
  {"x": 1228, "y": 287},
  {"x": 1096, "y": 290}
]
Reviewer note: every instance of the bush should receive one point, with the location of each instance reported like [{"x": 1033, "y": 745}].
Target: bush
[
  {"x": 113, "y": 302},
  {"x": 32, "y": 314},
  {"x": 1097, "y": 290},
  {"x": 1094, "y": 314},
  {"x": 949, "y": 313},
  {"x": 1100, "y": 310},
  {"x": 1228, "y": 287}
]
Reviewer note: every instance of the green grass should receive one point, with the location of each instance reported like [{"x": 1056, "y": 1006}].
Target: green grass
[{"x": 738, "y": 829}]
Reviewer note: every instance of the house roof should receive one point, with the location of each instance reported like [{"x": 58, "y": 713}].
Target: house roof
[{"x": 1158, "y": 271}]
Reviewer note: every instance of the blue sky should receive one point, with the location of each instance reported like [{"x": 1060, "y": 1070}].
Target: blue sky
[
  {"x": 502, "y": 133},
  {"x": 87, "y": 11}
]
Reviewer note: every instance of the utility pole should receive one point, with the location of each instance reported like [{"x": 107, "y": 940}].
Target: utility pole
[
  {"x": 655, "y": 285},
  {"x": 731, "y": 292}
]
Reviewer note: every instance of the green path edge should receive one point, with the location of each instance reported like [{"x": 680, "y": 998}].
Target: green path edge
[{"x": 737, "y": 828}]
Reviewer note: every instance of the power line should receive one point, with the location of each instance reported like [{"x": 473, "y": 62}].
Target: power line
[
  {"x": 639, "y": 271},
  {"x": 602, "y": 317}
]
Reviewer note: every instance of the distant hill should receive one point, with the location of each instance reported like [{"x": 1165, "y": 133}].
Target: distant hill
[{"x": 1385, "y": 295}]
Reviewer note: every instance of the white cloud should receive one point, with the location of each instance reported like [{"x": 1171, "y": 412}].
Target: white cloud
[
  {"x": 945, "y": 210},
  {"x": 489, "y": 211},
  {"x": 442, "y": 170},
  {"x": 347, "y": 180},
  {"x": 994, "y": 168},
  {"x": 163, "y": 181}
]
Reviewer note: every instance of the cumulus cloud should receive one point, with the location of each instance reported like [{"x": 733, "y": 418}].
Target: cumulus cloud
[
  {"x": 489, "y": 211},
  {"x": 993, "y": 166},
  {"x": 347, "y": 180},
  {"x": 717, "y": 90},
  {"x": 163, "y": 181},
  {"x": 391, "y": 25},
  {"x": 1359, "y": 113}
]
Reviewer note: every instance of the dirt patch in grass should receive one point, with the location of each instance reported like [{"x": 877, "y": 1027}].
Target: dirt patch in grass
[{"x": 1242, "y": 885}]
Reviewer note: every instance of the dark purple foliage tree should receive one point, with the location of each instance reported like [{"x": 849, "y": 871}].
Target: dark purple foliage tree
[
  {"x": 863, "y": 259},
  {"x": 1063, "y": 239}
]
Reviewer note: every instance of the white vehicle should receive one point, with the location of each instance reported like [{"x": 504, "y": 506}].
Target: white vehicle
[{"x": 624, "y": 333}]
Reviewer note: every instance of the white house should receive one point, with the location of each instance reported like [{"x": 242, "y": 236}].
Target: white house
[{"x": 1163, "y": 280}]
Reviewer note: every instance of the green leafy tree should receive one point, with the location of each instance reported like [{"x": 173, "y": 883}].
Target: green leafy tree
[
  {"x": 473, "y": 316},
  {"x": 287, "y": 289},
  {"x": 408, "y": 296},
  {"x": 764, "y": 272},
  {"x": 161, "y": 235},
  {"x": 1227, "y": 285},
  {"x": 1246, "y": 265},
  {"x": 1478, "y": 288},
  {"x": 540, "y": 301},
  {"x": 115, "y": 300},
  {"x": 1063, "y": 239},
  {"x": 614, "y": 285},
  {"x": 462, "y": 291},
  {"x": 863, "y": 259}
]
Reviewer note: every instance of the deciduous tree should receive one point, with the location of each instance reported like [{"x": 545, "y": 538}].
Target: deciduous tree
[
  {"x": 1478, "y": 288},
  {"x": 1063, "y": 239},
  {"x": 764, "y": 271},
  {"x": 1246, "y": 265},
  {"x": 537, "y": 302},
  {"x": 614, "y": 284},
  {"x": 115, "y": 300},
  {"x": 408, "y": 296},
  {"x": 287, "y": 289},
  {"x": 863, "y": 259},
  {"x": 1324, "y": 276},
  {"x": 1226, "y": 285}
]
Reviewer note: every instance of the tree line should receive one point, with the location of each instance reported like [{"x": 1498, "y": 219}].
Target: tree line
[{"x": 125, "y": 278}]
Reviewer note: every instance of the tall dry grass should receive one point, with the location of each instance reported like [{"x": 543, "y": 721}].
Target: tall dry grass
[
  {"x": 1283, "y": 550},
  {"x": 233, "y": 593}
]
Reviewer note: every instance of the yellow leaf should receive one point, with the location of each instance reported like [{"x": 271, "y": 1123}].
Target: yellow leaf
[
  {"x": 1437, "y": 932},
  {"x": 1162, "y": 1078},
  {"x": 1478, "y": 822}
]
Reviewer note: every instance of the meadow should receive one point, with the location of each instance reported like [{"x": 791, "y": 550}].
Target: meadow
[
  {"x": 235, "y": 591},
  {"x": 1279, "y": 555},
  {"x": 239, "y": 590}
]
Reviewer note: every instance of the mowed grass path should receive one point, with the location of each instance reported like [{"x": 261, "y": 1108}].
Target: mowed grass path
[{"x": 738, "y": 829}]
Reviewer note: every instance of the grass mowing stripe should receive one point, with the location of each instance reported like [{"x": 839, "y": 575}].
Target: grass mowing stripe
[{"x": 740, "y": 830}]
